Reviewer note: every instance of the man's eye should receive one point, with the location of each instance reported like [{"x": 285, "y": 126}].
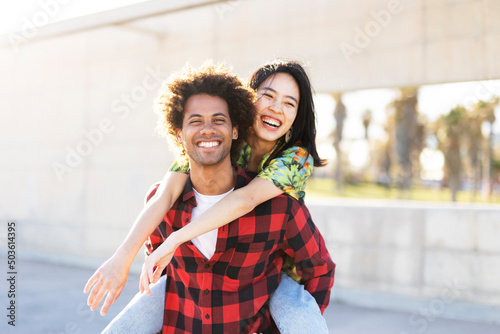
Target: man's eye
[
  {"x": 220, "y": 120},
  {"x": 195, "y": 122}
]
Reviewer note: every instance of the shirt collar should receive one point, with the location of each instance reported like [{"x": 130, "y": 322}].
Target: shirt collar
[{"x": 242, "y": 179}]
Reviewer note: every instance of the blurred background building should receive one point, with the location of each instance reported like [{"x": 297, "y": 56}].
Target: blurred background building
[{"x": 79, "y": 151}]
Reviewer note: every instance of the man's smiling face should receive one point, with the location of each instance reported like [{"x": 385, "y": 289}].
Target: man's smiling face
[{"x": 207, "y": 132}]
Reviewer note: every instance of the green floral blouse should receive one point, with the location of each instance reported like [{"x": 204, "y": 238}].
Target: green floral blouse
[{"x": 289, "y": 172}]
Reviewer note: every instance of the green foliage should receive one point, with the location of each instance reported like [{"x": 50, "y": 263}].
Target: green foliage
[
  {"x": 323, "y": 187},
  {"x": 495, "y": 164},
  {"x": 455, "y": 116}
]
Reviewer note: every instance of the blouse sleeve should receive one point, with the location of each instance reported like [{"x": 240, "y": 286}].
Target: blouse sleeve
[
  {"x": 290, "y": 171},
  {"x": 175, "y": 167}
]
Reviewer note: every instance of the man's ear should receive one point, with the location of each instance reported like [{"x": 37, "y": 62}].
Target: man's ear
[
  {"x": 235, "y": 132},
  {"x": 178, "y": 135}
]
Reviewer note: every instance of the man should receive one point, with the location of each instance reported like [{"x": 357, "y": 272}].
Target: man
[{"x": 222, "y": 281}]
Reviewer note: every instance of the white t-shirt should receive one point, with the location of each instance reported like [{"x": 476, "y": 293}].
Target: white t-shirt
[{"x": 206, "y": 242}]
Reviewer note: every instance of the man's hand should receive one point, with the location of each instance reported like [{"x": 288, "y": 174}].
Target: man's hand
[
  {"x": 155, "y": 263},
  {"x": 109, "y": 278}
]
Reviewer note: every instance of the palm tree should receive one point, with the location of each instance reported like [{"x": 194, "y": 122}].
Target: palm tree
[
  {"x": 462, "y": 128},
  {"x": 486, "y": 111},
  {"x": 473, "y": 133},
  {"x": 450, "y": 131},
  {"x": 367, "y": 119},
  {"x": 409, "y": 136},
  {"x": 340, "y": 115}
]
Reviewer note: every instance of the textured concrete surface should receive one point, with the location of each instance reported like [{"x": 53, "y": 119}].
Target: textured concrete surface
[
  {"x": 412, "y": 248},
  {"x": 50, "y": 301}
]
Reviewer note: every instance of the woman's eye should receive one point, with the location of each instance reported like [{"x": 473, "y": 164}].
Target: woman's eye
[
  {"x": 291, "y": 105},
  {"x": 268, "y": 95}
]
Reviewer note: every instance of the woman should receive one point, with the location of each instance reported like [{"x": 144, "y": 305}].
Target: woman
[{"x": 285, "y": 119}]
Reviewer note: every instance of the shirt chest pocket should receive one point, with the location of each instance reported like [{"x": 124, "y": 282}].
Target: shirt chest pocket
[{"x": 250, "y": 259}]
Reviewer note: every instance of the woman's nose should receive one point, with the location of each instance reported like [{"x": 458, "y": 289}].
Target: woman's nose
[{"x": 276, "y": 106}]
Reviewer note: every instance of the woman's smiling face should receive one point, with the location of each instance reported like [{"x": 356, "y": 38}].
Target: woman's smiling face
[{"x": 277, "y": 105}]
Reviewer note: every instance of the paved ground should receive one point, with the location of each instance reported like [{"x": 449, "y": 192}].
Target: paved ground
[{"x": 50, "y": 300}]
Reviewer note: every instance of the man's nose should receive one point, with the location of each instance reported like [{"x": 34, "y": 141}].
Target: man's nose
[{"x": 207, "y": 129}]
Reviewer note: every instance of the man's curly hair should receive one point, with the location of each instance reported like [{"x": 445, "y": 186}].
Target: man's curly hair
[{"x": 214, "y": 80}]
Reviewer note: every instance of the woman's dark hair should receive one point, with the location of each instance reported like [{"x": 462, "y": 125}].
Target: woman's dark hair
[{"x": 304, "y": 126}]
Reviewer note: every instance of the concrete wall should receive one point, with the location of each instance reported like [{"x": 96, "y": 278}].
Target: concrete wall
[
  {"x": 89, "y": 93},
  {"x": 349, "y": 45},
  {"x": 415, "y": 250}
]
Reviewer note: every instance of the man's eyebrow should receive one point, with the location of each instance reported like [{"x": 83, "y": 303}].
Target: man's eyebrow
[
  {"x": 194, "y": 115},
  {"x": 219, "y": 114},
  {"x": 213, "y": 115},
  {"x": 274, "y": 91}
]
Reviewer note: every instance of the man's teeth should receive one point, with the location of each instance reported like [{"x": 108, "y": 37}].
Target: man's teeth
[
  {"x": 208, "y": 144},
  {"x": 271, "y": 122}
]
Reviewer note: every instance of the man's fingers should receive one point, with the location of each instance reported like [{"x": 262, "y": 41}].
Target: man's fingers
[{"x": 91, "y": 282}]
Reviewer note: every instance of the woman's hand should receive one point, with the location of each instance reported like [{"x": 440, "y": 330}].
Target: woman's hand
[
  {"x": 156, "y": 262},
  {"x": 109, "y": 278}
]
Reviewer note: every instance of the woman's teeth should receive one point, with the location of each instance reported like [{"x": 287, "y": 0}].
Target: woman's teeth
[{"x": 271, "y": 122}]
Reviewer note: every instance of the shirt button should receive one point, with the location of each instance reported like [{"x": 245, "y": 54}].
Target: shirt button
[
  {"x": 186, "y": 220},
  {"x": 207, "y": 292},
  {"x": 207, "y": 316},
  {"x": 207, "y": 265}
]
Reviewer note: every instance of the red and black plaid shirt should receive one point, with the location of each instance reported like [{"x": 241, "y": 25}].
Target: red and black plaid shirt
[{"x": 229, "y": 293}]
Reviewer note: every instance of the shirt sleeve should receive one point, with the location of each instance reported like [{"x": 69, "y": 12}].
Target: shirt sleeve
[
  {"x": 290, "y": 171},
  {"x": 176, "y": 167},
  {"x": 155, "y": 239},
  {"x": 304, "y": 243}
]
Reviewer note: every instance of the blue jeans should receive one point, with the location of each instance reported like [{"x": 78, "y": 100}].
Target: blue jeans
[
  {"x": 293, "y": 309},
  {"x": 143, "y": 314}
]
